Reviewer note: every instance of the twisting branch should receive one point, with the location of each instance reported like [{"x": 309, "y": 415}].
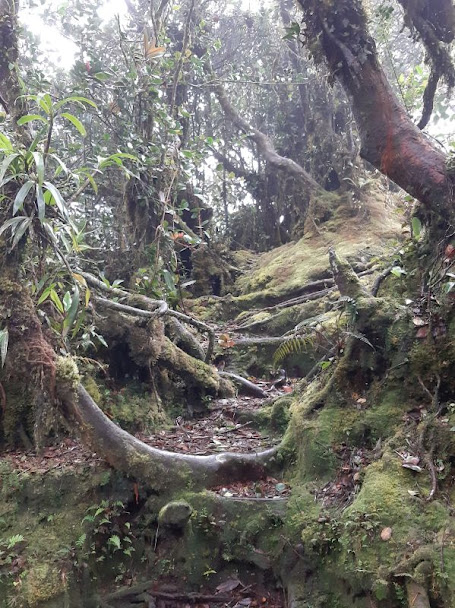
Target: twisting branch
[{"x": 264, "y": 144}]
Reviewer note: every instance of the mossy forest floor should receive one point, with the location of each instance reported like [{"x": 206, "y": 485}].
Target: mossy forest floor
[{"x": 349, "y": 520}]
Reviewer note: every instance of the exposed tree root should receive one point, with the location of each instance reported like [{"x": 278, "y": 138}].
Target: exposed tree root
[
  {"x": 249, "y": 387},
  {"x": 148, "y": 586},
  {"x": 152, "y": 309},
  {"x": 160, "y": 470},
  {"x": 184, "y": 339}
]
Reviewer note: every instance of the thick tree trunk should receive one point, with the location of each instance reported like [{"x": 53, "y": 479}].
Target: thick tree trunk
[{"x": 390, "y": 140}]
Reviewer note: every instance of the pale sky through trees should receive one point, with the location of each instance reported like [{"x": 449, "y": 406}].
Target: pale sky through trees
[{"x": 60, "y": 50}]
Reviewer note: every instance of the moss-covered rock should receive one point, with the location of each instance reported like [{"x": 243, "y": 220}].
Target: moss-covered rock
[{"x": 175, "y": 514}]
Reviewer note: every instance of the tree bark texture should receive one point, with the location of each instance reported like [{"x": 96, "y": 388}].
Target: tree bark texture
[{"x": 337, "y": 31}]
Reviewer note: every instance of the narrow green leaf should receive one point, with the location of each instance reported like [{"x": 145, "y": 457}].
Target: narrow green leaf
[
  {"x": 61, "y": 164},
  {"x": 45, "y": 102},
  {"x": 416, "y": 226},
  {"x": 4, "y": 338},
  {"x": 38, "y": 137},
  {"x": 58, "y": 198},
  {"x": 39, "y": 163},
  {"x": 5, "y": 164},
  {"x": 56, "y": 300},
  {"x": 43, "y": 297},
  {"x": 12, "y": 223},
  {"x": 76, "y": 99},
  {"x": 22, "y": 195},
  {"x": 48, "y": 228},
  {"x": 23, "y": 120},
  {"x": 92, "y": 183},
  {"x": 20, "y": 230},
  {"x": 76, "y": 122},
  {"x": 125, "y": 155},
  {"x": 40, "y": 203},
  {"x": 72, "y": 312}
]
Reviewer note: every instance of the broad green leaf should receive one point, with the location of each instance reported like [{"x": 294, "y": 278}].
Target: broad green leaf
[
  {"x": 23, "y": 120},
  {"x": 20, "y": 230},
  {"x": 22, "y": 195},
  {"x": 76, "y": 99},
  {"x": 5, "y": 143},
  {"x": 4, "y": 337},
  {"x": 72, "y": 311},
  {"x": 40, "y": 203},
  {"x": 5, "y": 164},
  {"x": 169, "y": 279},
  {"x": 76, "y": 122},
  {"x": 416, "y": 225},
  {"x": 397, "y": 271},
  {"x": 80, "y": 279},
  {"x": 115, "y": 541},
  {"x": 101, "y": 76},
  {"x": 66, "y": 301},
  {"x": 39, "y": 163}
]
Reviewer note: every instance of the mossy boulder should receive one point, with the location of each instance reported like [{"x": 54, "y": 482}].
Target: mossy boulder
[{"x": 175, "y": 514}]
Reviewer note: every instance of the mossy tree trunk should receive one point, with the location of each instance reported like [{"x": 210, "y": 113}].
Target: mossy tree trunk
[{"x": 337, "y": 31}]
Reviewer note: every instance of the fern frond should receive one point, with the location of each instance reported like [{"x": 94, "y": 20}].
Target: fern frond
[
  {"x": 361, "y": 337},
  {"x": 292, "y": 346}
]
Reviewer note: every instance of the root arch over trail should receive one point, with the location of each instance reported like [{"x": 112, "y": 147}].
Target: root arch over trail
[{"x": 161, "y": 470}]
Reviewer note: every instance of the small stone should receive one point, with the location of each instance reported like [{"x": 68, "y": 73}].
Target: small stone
[{"x": 386, "y": 534}]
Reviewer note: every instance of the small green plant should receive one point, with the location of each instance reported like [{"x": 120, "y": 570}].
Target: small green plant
[
  {"x": 107, "y": 531},
  {"x": 11, "y": 563}
]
